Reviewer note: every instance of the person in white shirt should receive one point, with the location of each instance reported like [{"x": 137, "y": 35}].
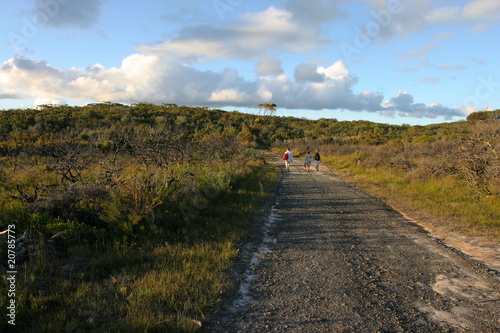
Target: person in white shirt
[
  {"x": 288, "y": 159},
  {"x": 308, "y": 161}
]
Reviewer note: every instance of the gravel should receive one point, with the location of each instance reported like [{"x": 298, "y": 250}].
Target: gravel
[{"x": 327, "y": 257}]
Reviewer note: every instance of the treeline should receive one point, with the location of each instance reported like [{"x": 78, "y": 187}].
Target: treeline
[{"x": 99, "y": 121}]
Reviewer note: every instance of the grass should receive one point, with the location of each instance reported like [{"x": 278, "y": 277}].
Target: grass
[
  {"x": 456, "y": 203},
  {"x": 163, "y": 283}
]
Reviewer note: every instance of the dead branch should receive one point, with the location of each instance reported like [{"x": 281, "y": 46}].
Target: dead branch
[{"x": 174, "y": 180}]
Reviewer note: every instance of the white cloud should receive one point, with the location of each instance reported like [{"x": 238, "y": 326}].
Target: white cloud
[
  {"x": 403, "y": 105},
  {"x": 410, "y": 16},
  {"x": 256, "y": 34},
  {"x": 469, "y": 109},
  {"x": 10, "y": 94},
  {"x": 483, "y": 13},
  {"x": 308, "y": 73},
  {"x": 148, "y": 78},
  {"x": 48, "y": 101},
  {"x": 338, "y": 72},
  {"x": 30, "y": 76},
  {"x": 443, "y": 14},
  {"x": 231, "y": 96},
  {"x": 269, "y": 66},
  {"x": 194, "y": 50},
  {"x": 482, "y": 10},
  {"x": 334, "y": 91}
]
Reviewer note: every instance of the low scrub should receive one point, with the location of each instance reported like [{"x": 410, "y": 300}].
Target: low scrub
[
  {"x": 451, "y": 171},
  {"x": 163, "y": 278},
  {"x": 455, "y": 179},
  {"x": 126, "y": 218}
]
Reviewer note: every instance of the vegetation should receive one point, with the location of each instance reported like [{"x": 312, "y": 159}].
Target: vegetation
[
  {"x": 449, "y": 170},
  {"x": 133, "y": 213},
  {"x": 269, "y": 108}
]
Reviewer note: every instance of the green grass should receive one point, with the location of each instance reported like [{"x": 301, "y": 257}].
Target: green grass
[
  {"x": 168, "y": 282},
  {"x": 460, "y": 206}
]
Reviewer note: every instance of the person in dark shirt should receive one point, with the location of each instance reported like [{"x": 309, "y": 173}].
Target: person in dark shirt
[{"x": 317, "y": 159}]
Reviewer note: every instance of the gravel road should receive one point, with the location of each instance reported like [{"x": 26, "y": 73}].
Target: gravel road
[{"x": 326, "y": 257}]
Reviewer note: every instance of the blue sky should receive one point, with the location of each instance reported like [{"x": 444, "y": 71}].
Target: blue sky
[{"x": 389, "y": 61}]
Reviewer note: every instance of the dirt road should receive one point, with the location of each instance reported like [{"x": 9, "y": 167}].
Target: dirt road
[{"x": 326, "y": 257}]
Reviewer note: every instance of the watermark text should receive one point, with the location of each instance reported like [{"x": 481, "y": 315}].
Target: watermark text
[{"x": 11, "y": 274}]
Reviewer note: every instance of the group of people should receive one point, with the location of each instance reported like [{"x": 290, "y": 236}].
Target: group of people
[{"x": 288, "y": 158}]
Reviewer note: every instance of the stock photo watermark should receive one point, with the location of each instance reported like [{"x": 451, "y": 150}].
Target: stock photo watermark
[
  {"x": 372, "y": 29},
  {"x": 11, "y": 275},
  {"x": 31, "y": 24},
  {"x": 224, "y": 6},
  {"x": 484, "y": 90},
  {"x": 199, "y": 202}
]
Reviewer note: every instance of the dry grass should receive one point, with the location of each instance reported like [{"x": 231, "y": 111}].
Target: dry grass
[
  {"x": 451, "y": 200},
  {"x": 162, "y": 283}
]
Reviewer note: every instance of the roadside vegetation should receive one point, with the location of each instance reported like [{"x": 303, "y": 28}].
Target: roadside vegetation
[
  {"x": 451, "y": 171},
  {"x": 128, "y": 217}
]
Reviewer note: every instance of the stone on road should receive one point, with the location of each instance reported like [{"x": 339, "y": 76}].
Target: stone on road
[{"x": 330, "y": 258}]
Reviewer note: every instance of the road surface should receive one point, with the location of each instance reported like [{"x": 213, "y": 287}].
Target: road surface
[{"x": 326, "y": 257}]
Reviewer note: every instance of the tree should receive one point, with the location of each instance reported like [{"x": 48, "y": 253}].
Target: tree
[{"x": 269, "y": 109}]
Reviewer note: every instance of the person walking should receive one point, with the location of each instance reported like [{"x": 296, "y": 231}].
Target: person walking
[
  {"x": 288, "y": 158},
  {"x": 317, "y": 160},
  {"x": 308, "y": 161}
]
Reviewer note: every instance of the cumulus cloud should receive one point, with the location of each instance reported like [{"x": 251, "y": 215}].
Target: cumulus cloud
[
  {"x": 140, "y": 78},
  {"x": 229, "y": 96},
  {"x": 148, "y": 78},
  {"x": 403, "y": 105},
  {"x": 308, "y": 73},
  {"x": 10, "y": 94},
  {"x": 269, "y": 66},
  {"x": 48, "y": 101},
  {"x": 30, "y": 76},
  {"x": 334, "y": 91}
]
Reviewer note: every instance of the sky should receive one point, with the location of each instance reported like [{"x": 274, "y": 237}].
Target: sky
[{"x": 390, "y": 61}]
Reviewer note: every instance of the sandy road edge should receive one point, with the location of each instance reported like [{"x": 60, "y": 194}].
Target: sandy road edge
[
  {"x": 226, "y": 309},
  {"x": 483, "y": 249}
]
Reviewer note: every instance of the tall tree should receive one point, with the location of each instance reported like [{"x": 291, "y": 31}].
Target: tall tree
[{"x": 268, "y": 108}]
